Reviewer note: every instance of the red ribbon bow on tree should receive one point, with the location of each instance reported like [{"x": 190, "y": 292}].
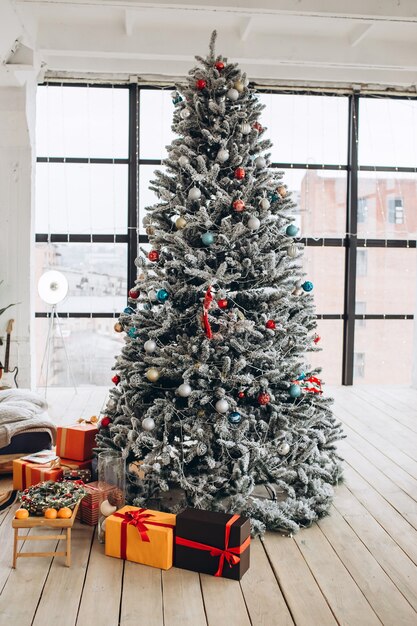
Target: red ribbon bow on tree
[{"x": 208, "y": 299}]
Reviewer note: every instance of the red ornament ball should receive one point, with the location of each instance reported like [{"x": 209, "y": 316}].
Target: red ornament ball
[
  {"x": 201, "y": 84},
  {"x": 134, "y": 294},
  {"x": 241, "y": 395},
  {"x": 116, "y": 379},
  {"x": 264, "y": 398},
  {"x": 257, "y": 126},
  {"x": 240, "y": 173},
  {"x": 223, "y": 303},
  {"x": 219, "y": 66},
  {"x": 316, "y": 338},
  {"x": 105, "y": 422},
  {"x": 153, "y": 255},
  {"x": 271, "y": 324},
  {"x": 238, "y": 206}
]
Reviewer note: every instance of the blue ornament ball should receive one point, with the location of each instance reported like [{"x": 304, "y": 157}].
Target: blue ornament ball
[
  {"x": 128, "y": 310},
  {"x": 162, "y": 295},
  {"x": 207, "y": 238},
  {"x": 295, "y": 391},
  {"x": 291, "y": 230},
  {"x": 274, "y": 197},
  {"x": 234, "y": 417},
  {"x": 307, "y": 286},
  {"x": 301, "y": 376},
  {"x": 133, "y": 332}
]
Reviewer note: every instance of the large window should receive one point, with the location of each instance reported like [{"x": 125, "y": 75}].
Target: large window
[
  {"x": 387, "y": 156},
  {"x": 348, "y": 161},
  {"x": 82, "y": 201}
]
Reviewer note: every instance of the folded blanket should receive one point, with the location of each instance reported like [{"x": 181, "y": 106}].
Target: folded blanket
[{"x": 21, "y": 411}]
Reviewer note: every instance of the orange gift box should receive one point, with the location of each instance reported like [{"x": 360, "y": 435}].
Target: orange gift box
[
  {"x": 26, "y": 474},
  {"x": 76, "y": 442},
  {"x": 142, "y": 536}
]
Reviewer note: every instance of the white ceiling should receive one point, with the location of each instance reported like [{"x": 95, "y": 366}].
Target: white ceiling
[{"x": 286, "y": 41}]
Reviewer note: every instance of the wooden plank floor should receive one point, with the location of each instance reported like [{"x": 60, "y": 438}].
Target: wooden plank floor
[{"x": 356, "y": 567}]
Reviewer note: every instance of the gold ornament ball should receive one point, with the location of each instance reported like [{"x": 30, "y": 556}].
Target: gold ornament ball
[
  {"x": 180, "y": 223},
  {"x": 239, "y": 86},
  {"x": 152, "y": 374},
  {"x": 282, "y": 191},
  {"x": 150, "y": 230},
  {"x": 118, "y": 327},
  {"x": 201, "y": 413}
]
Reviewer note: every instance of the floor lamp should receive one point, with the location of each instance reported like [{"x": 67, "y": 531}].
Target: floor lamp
[{"x": 53, "y": 289}]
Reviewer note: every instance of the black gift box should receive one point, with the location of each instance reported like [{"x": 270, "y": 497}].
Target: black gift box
[{"x": 208, "y": 528}]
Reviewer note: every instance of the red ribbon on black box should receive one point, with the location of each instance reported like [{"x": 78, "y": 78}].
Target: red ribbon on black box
[
  {"x": 213, "y": 528},
  {"x": 140, "y": 519}
]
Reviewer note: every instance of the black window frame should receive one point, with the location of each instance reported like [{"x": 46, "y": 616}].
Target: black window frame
[{"x": 349, "y": 241}]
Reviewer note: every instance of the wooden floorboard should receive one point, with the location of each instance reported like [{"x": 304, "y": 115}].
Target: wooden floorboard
[{"x": 358, "y": 566}]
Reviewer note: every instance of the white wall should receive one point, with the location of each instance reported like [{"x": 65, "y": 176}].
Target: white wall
[{"x": 17, "y": 160}]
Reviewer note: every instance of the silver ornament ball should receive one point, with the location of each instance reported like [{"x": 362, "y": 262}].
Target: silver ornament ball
[
  {"x": 233, "y": 94},
  {"x": 184, "y": 390},
  {"x": 264, "y": 204},
  {"x": 148, "y": 424},
  {"x": 222, "y": 406},
  {"x": 150, "y": 346},
  {"x": 222, "y": 155},
  {"x": 185, "y": 113},
  {"x": 284, "y": 448},
  {"x": 245, "y": 128},
  {"x": 194, "y": 193},
  {"x": 292, "y": 251},
  {"x": 260, "y": 162},
  {"x": 253, "y": 223}
]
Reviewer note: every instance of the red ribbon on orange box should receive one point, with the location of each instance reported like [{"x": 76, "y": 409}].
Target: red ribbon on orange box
[
  {"x": 227, "y": 554},
  {"x": 139, "y": 519}
]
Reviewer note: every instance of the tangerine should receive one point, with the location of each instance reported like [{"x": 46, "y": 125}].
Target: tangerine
[
  {"x": 50, "y": 513},
  {"x": 65, "y": 512},
  {"x": 21, "y": 514}
]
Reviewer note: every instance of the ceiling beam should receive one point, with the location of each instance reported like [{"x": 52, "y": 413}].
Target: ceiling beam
[
  {"x": 359, "y": 33},
  {"x": 129, "y": 22},
  {"x": 166, "y": 43},
  {"x": 384, "y": 10},
  {"x": 246, "y": 28}
]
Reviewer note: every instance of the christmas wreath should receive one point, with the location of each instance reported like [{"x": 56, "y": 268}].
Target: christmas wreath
[{"x": 52, "y": 495}]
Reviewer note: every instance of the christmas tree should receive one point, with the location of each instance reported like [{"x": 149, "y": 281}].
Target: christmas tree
[{"x": 213, "y": 396}]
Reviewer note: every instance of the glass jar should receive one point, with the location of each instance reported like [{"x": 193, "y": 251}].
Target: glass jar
[{"x": 111, "y": 471}]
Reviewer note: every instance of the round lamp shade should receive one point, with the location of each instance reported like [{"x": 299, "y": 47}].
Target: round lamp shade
[{"x": 52, "y": 287}]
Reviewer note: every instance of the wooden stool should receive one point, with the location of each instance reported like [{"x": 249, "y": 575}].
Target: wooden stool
[{"x": 33, "y": 522}]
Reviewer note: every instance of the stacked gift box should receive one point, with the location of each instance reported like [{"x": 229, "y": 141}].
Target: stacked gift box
[
  {"x": 74, "y": 451},
  {"x": 201, "y": 541},
  {"x": 26, "y": 474},
  {"x": 89, "y": 510}
]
